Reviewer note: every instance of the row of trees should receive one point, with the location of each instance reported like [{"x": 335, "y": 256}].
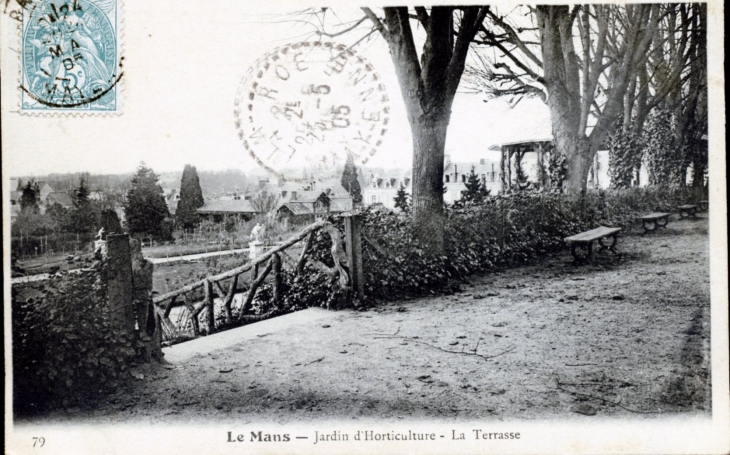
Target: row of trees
[
  {"x": 599, "y": 68},
  {"x": 84, "y": 216},
  {"x": 145, "y": 208},
  {"x": 633, "y": 77},
  {"x": 144, "y": 204}
]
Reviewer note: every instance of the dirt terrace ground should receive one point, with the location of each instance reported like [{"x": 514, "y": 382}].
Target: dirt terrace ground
[{"x": 609, "y": 339}]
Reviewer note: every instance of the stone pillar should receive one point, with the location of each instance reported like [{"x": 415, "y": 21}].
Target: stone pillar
[
  {"x": 119, "y": 267},
  {"x": 255, "y": 249}
]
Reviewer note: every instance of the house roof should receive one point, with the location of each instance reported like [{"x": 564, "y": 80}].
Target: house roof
[
  {"x": 394, "y": 176},
  {"x": 298, "y": 208},
  {"x": 227, "y": 206},
  {"x": 339, "y": 204},
  {"x": 60, "y": 197},
  {"x": 309, "y": 196}
]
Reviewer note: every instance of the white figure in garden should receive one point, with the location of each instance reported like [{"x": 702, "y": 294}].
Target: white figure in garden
[
  {"x": 258, "y": 232},
  {"x": 100, "y": 244}
]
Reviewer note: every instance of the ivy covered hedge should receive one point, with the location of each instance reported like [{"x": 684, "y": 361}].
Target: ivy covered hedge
[
  {"x": 64, "y": 349},
  {"x": 504, "y": 229}
]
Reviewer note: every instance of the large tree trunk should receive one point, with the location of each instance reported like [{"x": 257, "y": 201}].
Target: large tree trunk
[
  {"x": 429, "y": 140},
  {"x": 561, "y": 81}
]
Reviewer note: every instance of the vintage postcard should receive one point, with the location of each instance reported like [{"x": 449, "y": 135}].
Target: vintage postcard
[{"x": 297, "y": 227}]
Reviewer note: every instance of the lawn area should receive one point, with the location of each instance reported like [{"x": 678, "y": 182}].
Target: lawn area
[{"x": 547, "y": 340}]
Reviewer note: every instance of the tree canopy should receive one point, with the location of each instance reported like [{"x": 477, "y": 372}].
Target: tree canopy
[
  {"x": 82, "y": 217},
  {"x": 191, "y": 199},
  {"x": 145, "y": 208},
  {"x": 29, "y": 197}
]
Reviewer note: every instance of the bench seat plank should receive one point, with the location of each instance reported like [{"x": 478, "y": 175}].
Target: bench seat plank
[
  {"x": 687, "y": 207},
  {"x": 655, "y": 216},
  {"x": 593, "y": 234}
]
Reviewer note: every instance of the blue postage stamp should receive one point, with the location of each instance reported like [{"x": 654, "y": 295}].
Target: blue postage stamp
[{"x": 70, "y": 59}]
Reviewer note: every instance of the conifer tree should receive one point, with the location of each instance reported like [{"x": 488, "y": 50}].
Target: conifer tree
[
  {"x": 475, "y": 192},
  {"x": 191, "y": 199},
  {"x": 402, "y": 200},
  {"x": 349, "y": 180},
  {"x": 82, "y": 217},
  {"x": 28, "y": 201},
  {"x": 145, "y": 207}
]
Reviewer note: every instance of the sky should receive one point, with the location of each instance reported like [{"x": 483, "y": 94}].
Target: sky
[{"x": 180, "y": 80}]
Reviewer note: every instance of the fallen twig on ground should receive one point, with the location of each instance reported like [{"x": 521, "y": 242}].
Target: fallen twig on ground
[
  {"x": 472, "y": 353},
  {"x": 580, "y": 364},
  {"x": 314, "y": 361},
  {"x": 384, "y": 334}
]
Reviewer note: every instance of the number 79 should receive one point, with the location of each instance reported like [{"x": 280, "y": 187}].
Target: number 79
[{"x": 38, "y": 441}]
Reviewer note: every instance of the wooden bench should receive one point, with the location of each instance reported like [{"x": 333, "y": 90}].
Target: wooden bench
[
  {"x": 704, "y": 205},
  {"x": 585, "y": 240},
  {"x": 653, "y": 221},
  {"x": 688, "y": 210}
]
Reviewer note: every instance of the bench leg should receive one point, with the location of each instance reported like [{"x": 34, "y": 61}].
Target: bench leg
[
  {"x": 688, "y": 213},
  {"x": 664, "y": 224},
  {"x": 612, "y": 246},
  {"x": 577, "y": 257},
  {"x": 648, "y": 223}
]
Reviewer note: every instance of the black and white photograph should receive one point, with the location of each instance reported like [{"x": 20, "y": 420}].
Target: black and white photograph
[{"x": 288, "y": 227}]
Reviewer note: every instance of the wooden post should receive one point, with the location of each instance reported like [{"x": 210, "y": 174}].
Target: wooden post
[
  {"x": 303, "y": 256},
  {"x": 246, "y": 307},
  {"x": 121, "y": 308},
  {"x": 276, "y": 268},
  {"x": 353, "y": 244},
  {"x": 210, "y": 306},
  {"x": 229, "y": 299},
  {"x": 169, "y": 307},
  {"x": 509, "y": 168}
]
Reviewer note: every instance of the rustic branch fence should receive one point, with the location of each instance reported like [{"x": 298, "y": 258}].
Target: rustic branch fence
[{"x": 347, "y": 271}]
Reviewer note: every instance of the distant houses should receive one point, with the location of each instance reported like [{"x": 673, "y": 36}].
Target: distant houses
[
  {"x": 297, "y": 202},
  {"x": 62, "y": 198},
  {"x": 382, "y": 185},
  {"x": 221, "y": 210},
  {"x": 306, "y": 206}
]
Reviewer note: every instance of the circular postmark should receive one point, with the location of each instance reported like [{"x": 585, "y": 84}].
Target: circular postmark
[
  {"x": 303, "y": 108},
  {"x": 70, "y": 55}
]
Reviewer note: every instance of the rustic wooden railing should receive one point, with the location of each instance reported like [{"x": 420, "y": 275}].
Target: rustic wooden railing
[{"x": 347, "y": 271}]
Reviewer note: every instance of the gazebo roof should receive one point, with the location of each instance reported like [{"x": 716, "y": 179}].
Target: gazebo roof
[{"x": 498, "y": 147}]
